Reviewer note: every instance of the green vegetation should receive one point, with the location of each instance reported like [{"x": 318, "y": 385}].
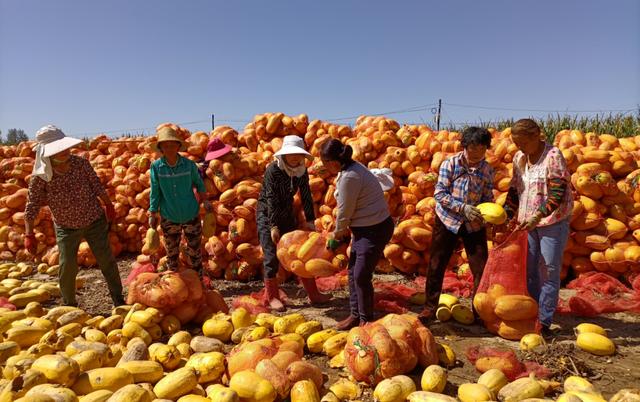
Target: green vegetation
[{"x": 620, "y": 125}]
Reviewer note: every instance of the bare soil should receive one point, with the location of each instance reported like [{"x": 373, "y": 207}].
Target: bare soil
[{"x": 560, "y": 356}]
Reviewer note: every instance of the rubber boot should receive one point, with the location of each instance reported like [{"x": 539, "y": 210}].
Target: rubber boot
[
  {"x": 314, "y": 294},
  {"x": 427, "y": 316},
  {"x": 271, "y": 295},
  {"x": 348, "y": 323}
]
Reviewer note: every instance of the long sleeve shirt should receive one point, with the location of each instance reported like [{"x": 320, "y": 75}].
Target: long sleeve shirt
[
  {"x": 360, "y": 198},
  {"x": 72, "y": 197},
  {"x": 276, "y": 197},
  {"x": 172, "y": 189},
  {"x": 542, "y": 188},
  {"x": 458, "y": 184}
]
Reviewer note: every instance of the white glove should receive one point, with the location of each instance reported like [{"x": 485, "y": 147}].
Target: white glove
[{"x": 471, "y": 213}]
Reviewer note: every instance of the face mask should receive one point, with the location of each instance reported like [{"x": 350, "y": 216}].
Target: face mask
[{"x": 297, "y": 171}]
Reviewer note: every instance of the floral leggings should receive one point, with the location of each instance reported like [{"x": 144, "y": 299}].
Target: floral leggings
[{"x": 172, "y": 236}]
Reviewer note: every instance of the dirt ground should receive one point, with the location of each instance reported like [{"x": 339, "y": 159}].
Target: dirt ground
[{"x": 561, "y": 356}]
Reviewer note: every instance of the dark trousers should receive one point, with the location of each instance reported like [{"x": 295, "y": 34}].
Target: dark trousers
[
  {"x": 367, "y": 245},
  {"x": 193, "y": 234},
  {"x": 270, "y": 257},
  {"x": 443, "y": 244},
  {"x": 97, "y": 235}
]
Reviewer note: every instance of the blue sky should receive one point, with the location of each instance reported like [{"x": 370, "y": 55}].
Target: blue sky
[{"x": 90, "y": 66}]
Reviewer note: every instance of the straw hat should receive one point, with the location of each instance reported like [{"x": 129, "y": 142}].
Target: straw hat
[
  {"x": 53, "y": 140},
  {"x": 293, "y": 145},
  {"x": 168, "y": 134},
  {"x": 216, "y": 148}
]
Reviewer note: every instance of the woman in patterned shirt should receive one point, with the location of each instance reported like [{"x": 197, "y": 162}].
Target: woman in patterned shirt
[
  {"x": 69, "y": 186},
  {"x": 542, "y": 198},
  {"x": 275, "y": 216}
]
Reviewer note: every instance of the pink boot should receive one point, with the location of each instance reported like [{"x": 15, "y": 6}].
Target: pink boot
[
  {"x": 315, "y": 296},
  {"x": 271, "y": 295}
]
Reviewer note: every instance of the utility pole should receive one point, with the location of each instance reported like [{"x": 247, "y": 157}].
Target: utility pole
[
  {"x": 438, "y": 114},
  {"x": 213, "y": 121}
]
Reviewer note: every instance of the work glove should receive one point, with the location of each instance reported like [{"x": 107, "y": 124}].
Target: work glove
[
  {"x": 333, "y": 244},
  {"x": 153, "y": 220},
  {"x": 275, "y": 235},
  {"x": 110, "y": 212},
  {"x": 471, "y": 213},
  {"x": 530, "y": 223},
  {"x": 207, "y": 206},
  {"x": 30, "y": 243}
]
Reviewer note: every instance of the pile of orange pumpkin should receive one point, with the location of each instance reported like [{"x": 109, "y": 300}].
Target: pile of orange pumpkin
[{"x": 605, "y": 223}]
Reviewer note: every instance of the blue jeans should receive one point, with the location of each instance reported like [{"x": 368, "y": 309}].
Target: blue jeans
[{"x": 543, "y": 277}]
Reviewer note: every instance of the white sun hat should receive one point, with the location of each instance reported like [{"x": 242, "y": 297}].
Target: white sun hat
[
  {"x": 293, "y": 145},
  {"x": 385, "y": 178},
  {"x": 51, "y": 140}
]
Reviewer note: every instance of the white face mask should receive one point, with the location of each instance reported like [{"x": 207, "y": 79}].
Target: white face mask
[{"x": 297, "y": 171}]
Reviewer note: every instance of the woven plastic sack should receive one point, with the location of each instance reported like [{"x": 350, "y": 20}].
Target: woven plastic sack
[{"x": 502, "y": 300}]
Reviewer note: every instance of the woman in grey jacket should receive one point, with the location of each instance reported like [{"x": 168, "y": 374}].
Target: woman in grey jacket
[{"x": 363, "y": 209}]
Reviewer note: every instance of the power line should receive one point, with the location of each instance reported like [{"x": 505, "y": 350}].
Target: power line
[
  {"x": 536, "y": 110},
  {"x": 186, "y": 123},
  {"x": 407, "y": 110}
]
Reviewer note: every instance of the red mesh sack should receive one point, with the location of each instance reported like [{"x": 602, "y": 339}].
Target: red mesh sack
[
  {"x": 390, "y": 346},
  {"x": 306, "y": 255},
  {"x": 136, "y": 269},
  {"x": 255, "y": 302},
  {"x": 392, "y": 297},
  {"x": 502, "y": 300},
  {"x": 599, "y": 293},
  {"x": 454, "y": 283},
  {"x": 164, "y": 290},
  {"x": 333, "y": 282},
  {"x": 458, "y": 284},
  {"x": 4, "y": 303},
  {"x": 505, "y": 360},
  {"x": 246, "y": 356}
]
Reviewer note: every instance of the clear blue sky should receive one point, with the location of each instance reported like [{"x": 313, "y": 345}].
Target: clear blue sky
[{"x": 90, "y": 66}]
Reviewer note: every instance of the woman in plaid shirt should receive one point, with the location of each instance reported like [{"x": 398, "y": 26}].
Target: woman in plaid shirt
[{"x": 465, "y": 180}]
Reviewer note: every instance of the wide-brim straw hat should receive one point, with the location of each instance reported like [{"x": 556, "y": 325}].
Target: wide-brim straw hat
[
  {"x": 54, "y": 140},
  {"x": 293, "y": 145},
  {"x": 168, "y": 134}
]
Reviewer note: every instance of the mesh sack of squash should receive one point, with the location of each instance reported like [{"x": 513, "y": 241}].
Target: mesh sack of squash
[
  {"x": 390, "y": 346},
  {"x": 502, "y": 300},
  {"x": 505, "y": 360},
  {"x": 334, "y": 282},
  {"x": 138, "y": 268},
  {"x": 4, "y": 303},
  {"x": 306, "y": 254},
  {"x": 178, "y": 292}
]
